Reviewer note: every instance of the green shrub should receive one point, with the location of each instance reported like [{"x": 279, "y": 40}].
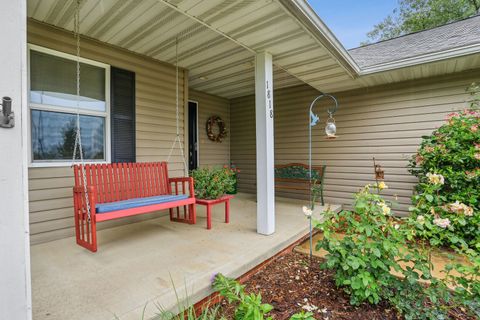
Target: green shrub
[
  {"x": 369, "y": 249},
  {"x": 447, "y": 199},
  {"x": 213, "y": 183},
  {"x": 365, "y": 245}
]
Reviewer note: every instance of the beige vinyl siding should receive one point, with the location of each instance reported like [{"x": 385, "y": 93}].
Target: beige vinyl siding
[
  {"x": 50, "y": 189},
  {"x": 212, "y": 153},
  {"x": 384, "y": 122}
]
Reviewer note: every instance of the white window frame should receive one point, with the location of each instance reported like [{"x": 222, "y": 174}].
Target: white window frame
[{"x": 35, "y": 106}]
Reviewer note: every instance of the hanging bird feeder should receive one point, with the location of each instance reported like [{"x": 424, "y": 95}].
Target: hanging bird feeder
[{"x": 330, "y": 126}]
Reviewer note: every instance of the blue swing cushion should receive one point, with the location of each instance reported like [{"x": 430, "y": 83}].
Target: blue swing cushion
[{"x": 137, "y": 202}]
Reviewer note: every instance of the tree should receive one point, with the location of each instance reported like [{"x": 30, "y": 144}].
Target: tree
[{"x": 417, "y": 15}]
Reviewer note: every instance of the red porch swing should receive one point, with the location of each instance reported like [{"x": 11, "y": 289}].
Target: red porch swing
[{"x": 105, "y": 192}]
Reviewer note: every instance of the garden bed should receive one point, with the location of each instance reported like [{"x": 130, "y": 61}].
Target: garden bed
[{"x": 290, "y": 283}]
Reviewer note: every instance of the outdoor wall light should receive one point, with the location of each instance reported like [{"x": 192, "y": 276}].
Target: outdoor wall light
[{"x": 7, "y": 119}]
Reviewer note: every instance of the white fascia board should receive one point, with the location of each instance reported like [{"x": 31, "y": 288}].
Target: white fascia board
[{"x": 304, "y": 13}]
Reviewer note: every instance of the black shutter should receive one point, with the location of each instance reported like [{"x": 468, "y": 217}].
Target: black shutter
[{"x": 122, "y": 115}]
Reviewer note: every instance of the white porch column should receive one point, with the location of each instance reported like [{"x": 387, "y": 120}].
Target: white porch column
[
  {"x": 15, "y": 301},
  {"x": 265, "y": 143}
]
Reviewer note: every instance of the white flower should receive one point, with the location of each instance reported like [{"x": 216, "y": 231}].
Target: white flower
[
  {"x": 442, "y": 223},
  {"x": 434, "y": 178},
  {"x": 396, "y": 226},
  {"x": 421, "y": 219},
  {"x": 307, "y": 211},
  {"x": 385, "y": 209}
]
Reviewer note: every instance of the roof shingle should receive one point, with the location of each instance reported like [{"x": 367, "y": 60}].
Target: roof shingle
[{"x": 453, "y": 35}]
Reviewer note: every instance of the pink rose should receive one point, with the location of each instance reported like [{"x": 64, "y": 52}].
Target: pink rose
[{"x": 442, "y": 223}]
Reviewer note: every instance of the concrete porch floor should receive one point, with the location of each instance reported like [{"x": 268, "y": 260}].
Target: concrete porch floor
[{"x": 137, "y": 263}]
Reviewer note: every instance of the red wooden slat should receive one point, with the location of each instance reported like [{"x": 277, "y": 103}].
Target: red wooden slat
[
  {"x": 111, "y": 187},
  {"x": 118, "y": 186},
  {"x": 94, "y": 177},
  {"x": 184, "y": 207},
  {"x": 121, "y": 182},
  {"x": 176, "y": 192},
  {"x": 156, "y": 187},
  {"x": 161, "y": 179},
  {"x": 147, "y": 179},
  {"x": 126, "y": 181},
  {"x": 106, "y": 194},
  {"x": 165, "y": 173},
  {"x": 153, "y": 178},
  {"x": 129, "y": 182},
  {"x": 151, "y": 187},
  {"x": 137, "y": 180},
  {"x": 133, "y": 188},
  {"x": 99, "y": 182},
  {"x": 141, "y": 180}
]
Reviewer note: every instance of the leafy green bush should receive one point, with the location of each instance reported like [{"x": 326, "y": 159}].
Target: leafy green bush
[
  {"x": 248, "y": 306},
  {"x": 213, "y": 183},
  {"x": 373, "y": 243},
  {"x": 447, "y": 200},
  {"x": 369, "y": 249}
]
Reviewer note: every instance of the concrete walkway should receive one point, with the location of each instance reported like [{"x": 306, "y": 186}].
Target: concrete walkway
[{"x": 137, "y": 263}]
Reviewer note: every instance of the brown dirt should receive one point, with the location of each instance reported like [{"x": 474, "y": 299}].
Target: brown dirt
[{"x": 291, "y": 283}]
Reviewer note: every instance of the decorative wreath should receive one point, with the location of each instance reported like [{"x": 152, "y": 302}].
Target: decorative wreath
[{"x": 214, "y": 135}]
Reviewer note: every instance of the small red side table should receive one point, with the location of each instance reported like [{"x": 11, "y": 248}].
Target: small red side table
[{"x": 210, "y": 203}]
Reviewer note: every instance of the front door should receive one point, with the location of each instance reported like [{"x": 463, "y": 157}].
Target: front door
[{"x": 192, "y": 135}]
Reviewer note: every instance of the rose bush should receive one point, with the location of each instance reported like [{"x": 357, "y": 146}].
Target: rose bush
[{"x": 447, "y": 199}]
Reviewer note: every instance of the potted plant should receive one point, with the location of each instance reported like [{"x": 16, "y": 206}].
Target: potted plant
[
  {"x": 213, "y": 183},
  {"x": 234, "y": 176}
]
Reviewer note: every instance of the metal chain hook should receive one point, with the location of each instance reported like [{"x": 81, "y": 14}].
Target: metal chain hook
[{"x": 78, "y": 135}]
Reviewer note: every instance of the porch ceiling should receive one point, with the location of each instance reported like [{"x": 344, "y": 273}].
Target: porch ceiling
[{"x": 217, "y": 39}]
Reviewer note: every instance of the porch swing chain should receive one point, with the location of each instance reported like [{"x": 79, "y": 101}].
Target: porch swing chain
[
  {"x": 177, "y": 138},
  {"x": 78, "y": 136}
]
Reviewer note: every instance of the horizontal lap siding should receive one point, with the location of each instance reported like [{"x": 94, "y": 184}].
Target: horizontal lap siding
[
  {"x": 212, "y": 153},
  {"x": 51, "y": 212},
  {"x": 383, "y": 122}
]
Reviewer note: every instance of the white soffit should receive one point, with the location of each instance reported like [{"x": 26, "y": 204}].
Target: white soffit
[{"x": 217, "y": 38}]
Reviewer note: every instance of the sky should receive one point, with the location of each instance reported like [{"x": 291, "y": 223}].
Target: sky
[{"x": 350, "y": 20}]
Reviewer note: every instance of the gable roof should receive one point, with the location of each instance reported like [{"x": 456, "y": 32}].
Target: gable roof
[{"x": 454, "y": 35}]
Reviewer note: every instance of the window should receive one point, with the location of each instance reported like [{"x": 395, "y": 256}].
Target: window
[{"x": 53, "y": 107}]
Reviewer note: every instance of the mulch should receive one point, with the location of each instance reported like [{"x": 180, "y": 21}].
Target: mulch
[{"x": 290, "y": 283}]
